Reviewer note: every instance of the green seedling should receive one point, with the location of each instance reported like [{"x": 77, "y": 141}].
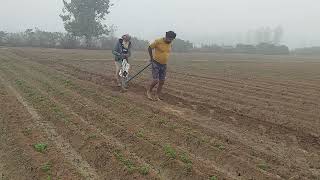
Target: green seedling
[
  {"x": 46, "y": 167},
  {"x": 188, "y": 167},
  {"x": 263, "y": 167},
  {"x": 140, "y": 134},
  {"x": 67, "y": 82},
  {"x": 220, "y": 147},
  {"x": 19, "y": 82},
  {"x": 56, "y": 109},
  {"x": 184, "y": 158},
  {"x": 173, "y": 127},
  {"x": 144, "y": 170},
  {"x": 92, "y": 136},
  {"x": 40, "y": 147},
  {"x": 162, "y": 121},
  {"x": 213, "y": 178},
  {"x": 49, "y": 177},
  {"x": 129, "y": 164},
  {"x": 170, "y": 152}
]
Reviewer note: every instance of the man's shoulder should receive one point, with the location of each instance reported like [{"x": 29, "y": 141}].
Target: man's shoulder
[{"x": 159, "y": 40}]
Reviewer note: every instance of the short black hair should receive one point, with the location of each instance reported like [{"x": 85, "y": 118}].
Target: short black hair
[{"x": 171, "y": 34}]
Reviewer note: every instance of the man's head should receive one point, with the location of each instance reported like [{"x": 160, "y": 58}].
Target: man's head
[
  {"x": 126, "y": 37},
  {"x": 170, "y": 36}
]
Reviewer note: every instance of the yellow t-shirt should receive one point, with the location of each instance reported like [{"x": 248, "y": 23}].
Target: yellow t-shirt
[{"x": 162, "y": 51}]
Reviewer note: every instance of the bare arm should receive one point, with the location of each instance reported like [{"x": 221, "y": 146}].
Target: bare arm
[{"x": 151, "y": 47}]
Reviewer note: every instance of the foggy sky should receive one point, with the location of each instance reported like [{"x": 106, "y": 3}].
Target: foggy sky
[{"x": 215, "y": 21}]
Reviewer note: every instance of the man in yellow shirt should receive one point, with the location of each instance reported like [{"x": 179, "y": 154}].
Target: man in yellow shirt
[{"x": 162, "y": 49}]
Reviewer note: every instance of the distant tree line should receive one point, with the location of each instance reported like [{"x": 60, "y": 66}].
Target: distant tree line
[
  {"x": 264, "y": 40},
  {"x": 38, "y": 38},
  {"x": 180, "y": 45},
  {"x": 307, "y": 51},
  {"x": 262, "y": 48},
  {"x": 83, "y": 22}
]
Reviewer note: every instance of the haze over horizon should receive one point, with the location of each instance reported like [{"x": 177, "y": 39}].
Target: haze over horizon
[{"x": 202, "y": 21}]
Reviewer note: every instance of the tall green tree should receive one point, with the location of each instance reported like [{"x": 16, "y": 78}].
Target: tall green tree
[{"x": 84, "y": 18}]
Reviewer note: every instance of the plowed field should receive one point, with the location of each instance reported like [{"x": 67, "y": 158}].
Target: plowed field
[{"x": 221, "y": 117}]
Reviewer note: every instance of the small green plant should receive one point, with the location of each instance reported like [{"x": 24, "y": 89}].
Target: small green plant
[
  {"x": 46, "y": 167},
  {"x": 67, "y": 82},
  {"x": 162, "y": 121},
  {"x": 92, "y": 136},
  {"x": 170, "y": 152},
  {"x": 140, "y": 134},
  {"x": 173, "y": 126},
  {"x": 129, "y": 164},
  {"x": 56, "y": 109},
  {"x": 188, "y": 167},
  {"x": 220, "y": 147},
  {"x": 59, "y": 113},
  {"x": 31, "y": 94},
  {"x": 263, "y": 167},
  {"x": 213, "y": 178},
  {"x": 184, "y": 158},
  {"x": 144, "y": 170},
  {"x": 49, "y": 177},
  {"x": 204, "y": 140},
  {"x": 19, "y": 82},
  {"x": 40, "y": 147}
]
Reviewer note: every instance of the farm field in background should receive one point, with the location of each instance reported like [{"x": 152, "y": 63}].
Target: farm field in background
[{"x": 224, "y": 116}]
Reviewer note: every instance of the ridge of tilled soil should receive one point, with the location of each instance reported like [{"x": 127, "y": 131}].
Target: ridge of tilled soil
[{"x": 216, "y": 140}]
